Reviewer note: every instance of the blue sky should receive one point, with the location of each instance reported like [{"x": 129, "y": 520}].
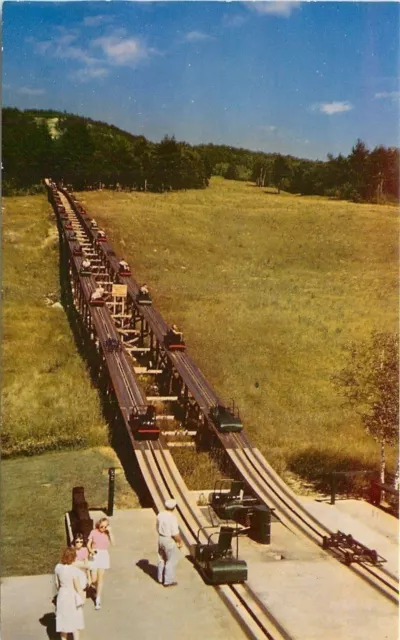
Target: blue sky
[{"x": 300, "y": 78}]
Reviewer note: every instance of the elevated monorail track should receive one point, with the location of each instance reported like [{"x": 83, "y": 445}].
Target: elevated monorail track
[{"x": 195, "y": 393}]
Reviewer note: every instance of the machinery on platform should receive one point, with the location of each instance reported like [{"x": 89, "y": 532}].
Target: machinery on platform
[
  {"x": 350, "y": 549},
  {"x": 143, "y": 423},
  {"x": 77, "y": 250},
  {"x": 101, "y": 236},
  {"x": 230, "y": 502},
  {"x": 79, "y": 516},
  {"x": 226, "y": 419},
  {"x": 216, "y": 561}
]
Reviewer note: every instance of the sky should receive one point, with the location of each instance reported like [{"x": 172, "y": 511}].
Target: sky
[{"x": 299, "y": 78}]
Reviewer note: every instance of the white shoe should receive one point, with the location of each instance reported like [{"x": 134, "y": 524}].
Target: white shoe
[{"x": 97, "y": 604}]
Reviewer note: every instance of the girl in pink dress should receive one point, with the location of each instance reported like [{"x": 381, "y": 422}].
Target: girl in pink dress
[
  {"x": 82, "y": 558},
  {"x": 99, "y": 559}
]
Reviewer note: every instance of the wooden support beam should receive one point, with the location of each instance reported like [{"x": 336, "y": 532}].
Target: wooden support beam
[
  {"x": 180, "y": 433},
  {"x": 135, "y": 331},
  {"x": 120, "y": 315},
  {"x": 161, "y": 398},
  {"x": 181, "y": 444},
  {"x": 146, "y": 371}
]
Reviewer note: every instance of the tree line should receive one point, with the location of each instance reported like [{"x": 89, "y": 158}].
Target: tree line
[
  {"x": 362, "y": 176},
  {"x": 86, "y": 153}
]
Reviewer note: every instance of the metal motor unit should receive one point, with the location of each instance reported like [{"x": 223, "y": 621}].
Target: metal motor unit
[{"x": 216, "y": 561}]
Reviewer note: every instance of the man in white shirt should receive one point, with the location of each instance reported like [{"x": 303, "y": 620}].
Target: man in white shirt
[{"x": 169, "y": 541}]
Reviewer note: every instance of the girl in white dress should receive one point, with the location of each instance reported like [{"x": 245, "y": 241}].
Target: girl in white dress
[{"x": 70, "y": 597}]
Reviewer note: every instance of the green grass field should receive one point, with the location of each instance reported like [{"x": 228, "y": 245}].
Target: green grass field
[
  {"x": 268, "y": 289},
  {"x": 48, "y": 400},
  {"x": 36, "y": 493}
]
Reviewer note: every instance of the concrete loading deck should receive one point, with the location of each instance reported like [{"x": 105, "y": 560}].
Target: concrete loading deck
[{"x": 288, "y": 576}]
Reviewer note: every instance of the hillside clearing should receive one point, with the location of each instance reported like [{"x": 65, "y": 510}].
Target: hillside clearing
[{"x": 268, "y": 289}]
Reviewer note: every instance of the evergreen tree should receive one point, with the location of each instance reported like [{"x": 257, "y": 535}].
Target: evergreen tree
[{"x": 280, "y": 171}]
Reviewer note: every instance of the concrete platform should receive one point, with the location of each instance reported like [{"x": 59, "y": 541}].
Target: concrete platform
[
  {"x": 369, "y": 525},
  {"x": 134, "y": 604},
  {"x": 311, "y": 594}
]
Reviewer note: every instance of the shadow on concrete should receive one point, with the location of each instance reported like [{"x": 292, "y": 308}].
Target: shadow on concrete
[
  {"x": 48, "y": 620},
  {"x": 148, "y": 568}
]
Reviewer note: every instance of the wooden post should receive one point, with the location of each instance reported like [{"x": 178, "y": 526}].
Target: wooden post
[{"x": 333, "y": 488}]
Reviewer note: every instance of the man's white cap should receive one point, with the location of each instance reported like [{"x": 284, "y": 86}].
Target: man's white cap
[{"x": 170, "y": 504}]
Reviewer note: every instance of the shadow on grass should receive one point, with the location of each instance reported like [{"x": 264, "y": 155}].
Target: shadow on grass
[
  {"x": 122, "y": 445},
  {"x": 48, "y": 620},
  {"x": 148, "y": 568},
  {"x": 315, "y": 468}
]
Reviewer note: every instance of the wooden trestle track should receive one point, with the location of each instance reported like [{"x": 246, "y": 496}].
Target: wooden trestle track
[{"x": 142, "y": 330}]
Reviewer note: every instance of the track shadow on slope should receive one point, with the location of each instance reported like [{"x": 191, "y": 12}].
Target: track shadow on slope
[
  {"x": 315, "y": 468},
  {"x": 118, "y": 437},
  {"x": 122, "y": 445}
]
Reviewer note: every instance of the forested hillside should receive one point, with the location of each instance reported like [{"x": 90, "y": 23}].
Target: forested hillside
[{"x": 86, "y": 153}]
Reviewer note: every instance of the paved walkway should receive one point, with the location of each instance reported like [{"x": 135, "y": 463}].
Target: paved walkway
[
  {"x": 310, "y": 593},
  {"x": 134, "y": 604}
]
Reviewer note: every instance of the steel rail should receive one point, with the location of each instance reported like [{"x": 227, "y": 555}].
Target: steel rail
[{"x": 253, "y": 614}]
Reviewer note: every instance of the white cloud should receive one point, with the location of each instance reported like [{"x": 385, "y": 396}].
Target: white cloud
[
  {"x": 89, "y": 73},
  {"x": 270, "y": 128},
  {"x": 95, "y": 21},
  {"x": 61, "y": 47},
  {"x": 233, "y": 21},
  {"x": 74, "y": 53},
  {"x": 94, "y": 58},
  {"x": 42, "y": 47},
  {"x": 277, "y": 8},
  {"x": 26, "y": 91},
  {"x": 122, "y": 51},
  {"x": 331, "y": 108},
  {"x": 67, "y": 37},
  {"x": 391, "y": 95},
  {"x": 196, "y": 36}
]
